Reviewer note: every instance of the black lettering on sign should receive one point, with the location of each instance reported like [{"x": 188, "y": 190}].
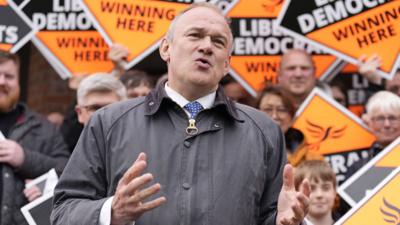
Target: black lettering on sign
[
  {"x": 91, "y": 56},
  {"x": 370, "y": 23},
  {"x": 81, "y": 42},
  {"x": 135, "y": 25},
  {"x": 256, "y": 67},
  {"x": 140, "y": 11},
  {"x": 376, "y": 36}
]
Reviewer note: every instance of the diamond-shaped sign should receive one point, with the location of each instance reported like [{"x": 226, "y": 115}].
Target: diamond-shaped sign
[
  {"x": 258, "y": 45},
  {"x": 329, "y": 129},
  {"x": 67, "y": 37},
  {"x": 15, "y": 28},
  {"x": 369, "y": 176},
  {"x": 380, "y": 206},
  {"x": 136, "y": 24},
  {"x": 348, "y": 29}
]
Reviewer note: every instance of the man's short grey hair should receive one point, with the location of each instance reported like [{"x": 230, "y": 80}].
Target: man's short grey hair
[
  {"x": 100, "y": 82},
  {"x": 296, "y": 50},
  {"x": 171, "y": 29},
  {"x": 384, "y": 101}
]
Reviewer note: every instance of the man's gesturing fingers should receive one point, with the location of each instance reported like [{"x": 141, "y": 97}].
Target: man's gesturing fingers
[
  {"x": 288, "y": 178},
  {"x": 135, "y": 170},
  {"x": 128, "y": 202},
  {"x": 142, "y": 195}
]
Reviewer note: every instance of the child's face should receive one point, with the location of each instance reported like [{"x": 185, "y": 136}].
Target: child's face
[{"x": 322, "y": 198}]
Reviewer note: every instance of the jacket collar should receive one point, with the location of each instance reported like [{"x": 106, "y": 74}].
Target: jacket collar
[{"x": 158, "y": 96}]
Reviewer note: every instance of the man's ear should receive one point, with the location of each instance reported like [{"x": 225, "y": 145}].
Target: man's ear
[
  {"x": 164, "y": 50},
  {"x": 227, "y": 65},
  {"x": 366, "y": 119},
  {"x": 78, "y": 111}
]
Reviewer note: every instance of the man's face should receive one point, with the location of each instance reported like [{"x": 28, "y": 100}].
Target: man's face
[
  {"x": 393, "y": 85},
  {"x": 322, "y": 198},
  {"x": 9, "y": 85},
  {"x": 198, "y": 54},
  {"x": 385, "y": 126},
  {"x": 297, "y": 74},
  {"x": 93, "y": 102}
]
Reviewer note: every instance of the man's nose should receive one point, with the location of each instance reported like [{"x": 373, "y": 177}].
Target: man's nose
[
  {"x": 318, "y": 192},
  {"x": 206, "y": 45},
  {"x": 2, "y": 78},
  {"x": 387, "y": 122},
  {"x": 274, "y": 115},
  {"x": 298, "y": 72}
]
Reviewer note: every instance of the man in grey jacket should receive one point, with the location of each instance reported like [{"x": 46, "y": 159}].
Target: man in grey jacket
[
  {"x": 29, "y": 145},
  {"x": 215, "y": 162}
]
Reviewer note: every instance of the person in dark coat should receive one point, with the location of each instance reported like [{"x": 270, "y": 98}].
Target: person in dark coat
[
  {"x": 185, "y": 153},
  {"x": 29, "y": 144}
]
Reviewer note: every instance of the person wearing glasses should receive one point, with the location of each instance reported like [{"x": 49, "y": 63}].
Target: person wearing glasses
[
  {"x": 278, "y": 105},
  {"x": 95, "y": 92},
  {"x": 383, "y": 118}
]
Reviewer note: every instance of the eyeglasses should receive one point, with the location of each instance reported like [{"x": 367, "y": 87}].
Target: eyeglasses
[
  {"x": 279, "y": 110},
  {"x": 381, "y": 119},
  {"x": 92, "y": 108}
]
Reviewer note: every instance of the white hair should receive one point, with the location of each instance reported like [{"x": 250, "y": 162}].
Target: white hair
[
  {"x": 170, "y": 32},
  {"x": 100, "y": 82},
  {"x": 383, "y": 101}
]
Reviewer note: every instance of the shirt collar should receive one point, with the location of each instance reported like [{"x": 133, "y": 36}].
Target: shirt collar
[
  {"x": 158, "y": 97},
  {"x": 205, "y": 101}
]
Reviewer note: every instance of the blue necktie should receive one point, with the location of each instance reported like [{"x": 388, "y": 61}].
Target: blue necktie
[{"x": 193, "y": 108}]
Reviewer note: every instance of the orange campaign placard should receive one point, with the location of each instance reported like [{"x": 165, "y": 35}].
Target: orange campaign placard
[
  {"x": 67, "y": 37},
  {"x": 348, "y": 29},
  {"x": 259, "y": 44},
  {"x": 356, "y": 187},
  {"x": 15, "y": 27},
  {"x": 136, "y": 24},
  {"x": 329, "y": 129},
  {"x": 381, "y": 206}
]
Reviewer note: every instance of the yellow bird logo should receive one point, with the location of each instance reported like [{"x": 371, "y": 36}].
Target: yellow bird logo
[
  {"x": 391, "y": 213},
  {"x": 322, "y": 134}
]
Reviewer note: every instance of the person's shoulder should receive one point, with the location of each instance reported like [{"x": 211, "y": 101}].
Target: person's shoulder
[
  {"x": 259, "y": 120},
  {"x": 124, "y": 106},
  {"x": 117, "y": 110},
  {"x": 34, "y": 118},
  {"x": 252, "y": 114}
]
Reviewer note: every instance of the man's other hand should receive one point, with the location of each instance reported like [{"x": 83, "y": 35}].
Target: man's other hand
[
  {"x": 292, "y": 204},
  {"x": 128, "y": 203}
]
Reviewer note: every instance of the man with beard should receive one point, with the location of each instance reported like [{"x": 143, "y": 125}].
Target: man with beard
[{"x": 29, "y": 145}]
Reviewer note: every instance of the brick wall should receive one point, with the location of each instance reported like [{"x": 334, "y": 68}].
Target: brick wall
[{"x": 46, "y": 91}]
